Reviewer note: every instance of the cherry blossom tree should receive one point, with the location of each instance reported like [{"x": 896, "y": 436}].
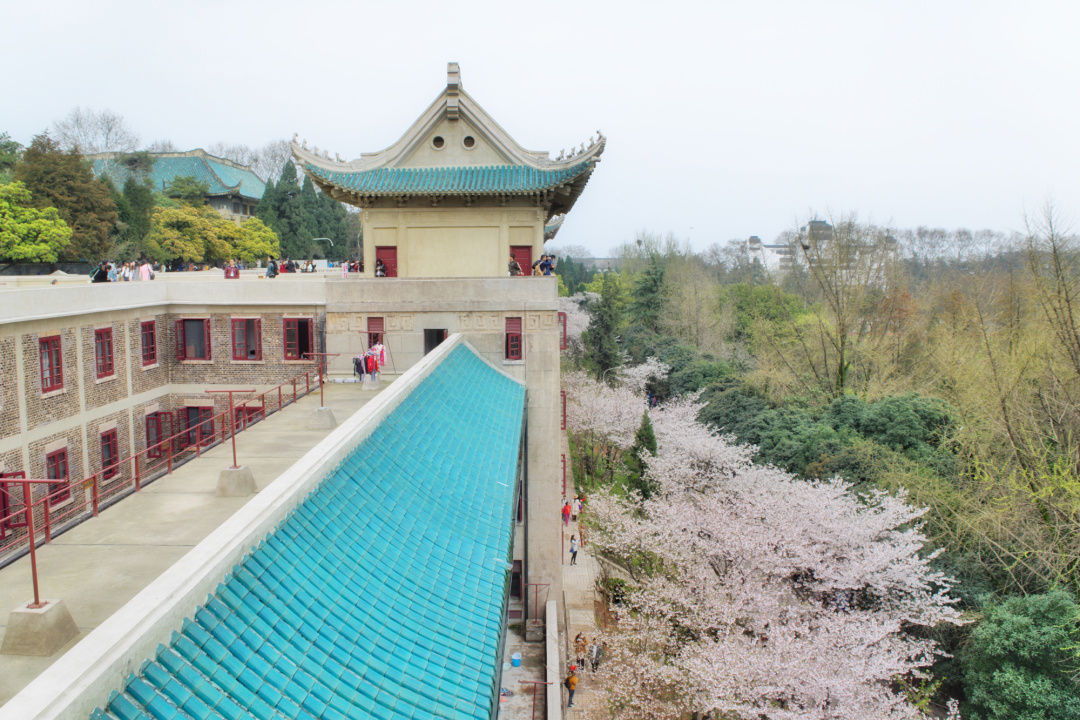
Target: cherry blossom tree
[
  {"x": 577, "y": 319},
  {"x": 638, "y": 376},
  {"x": 760, "y": 595},
  {"x": 602, "y": 420}
]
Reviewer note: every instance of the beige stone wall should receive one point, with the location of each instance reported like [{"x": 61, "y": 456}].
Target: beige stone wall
[{"x": 444, "y": 242}]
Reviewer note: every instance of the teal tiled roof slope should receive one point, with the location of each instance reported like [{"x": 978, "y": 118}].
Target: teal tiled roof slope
[
  {"x": 486, "y": 180},
  {"x": 383, "y": 593},
  {"x": 222, "y": 178}
]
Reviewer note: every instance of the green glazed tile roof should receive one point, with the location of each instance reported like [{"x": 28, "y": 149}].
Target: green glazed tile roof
[
  {"x": 222, "y": 179},
  {"x": 382, "y": 595},
  {"x": 490, "y": 179}
]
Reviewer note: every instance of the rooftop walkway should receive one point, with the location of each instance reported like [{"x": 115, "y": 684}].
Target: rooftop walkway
[{"x": 100, "y": 565}]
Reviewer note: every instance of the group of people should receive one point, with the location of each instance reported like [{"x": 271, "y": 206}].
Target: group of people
[
  {"x": 544, "y": 266},
  {"x": 141, "y": 269},
  {"x": 587, "y": 655}
]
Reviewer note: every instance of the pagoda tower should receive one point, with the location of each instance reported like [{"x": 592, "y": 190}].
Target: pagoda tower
[{"x": 456, "y": 196}]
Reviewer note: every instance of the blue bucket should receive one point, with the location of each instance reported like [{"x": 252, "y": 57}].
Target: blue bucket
[{"x": 515, "y": 659}]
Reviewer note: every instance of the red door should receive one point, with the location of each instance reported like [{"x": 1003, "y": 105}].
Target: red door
[
  {"x": 523, "y": 254},
  {"x": 388, "y": 254}
]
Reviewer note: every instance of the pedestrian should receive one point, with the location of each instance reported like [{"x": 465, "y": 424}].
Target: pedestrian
[
  {"x": 514, "y": 266},
  {"x": 571, "y": 685},
  {"x": 592, "y": 653},
  {"x": 573, "y": 557},
  {"x": 566, "y": 514},
  {"x": 101, "y": 275},
  {"x": 577, "y": 507},
  {"x": 573, "y": 509},
  {"x": 271, "y": 267},
  {"x": 580, "y": 644},
  {"x": 145, "y": 272},
  {"x": 232, "y": 272}
]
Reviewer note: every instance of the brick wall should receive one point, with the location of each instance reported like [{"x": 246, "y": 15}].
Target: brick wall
[
  {"x": 12, "y": 462},
  {"x": 9, "y": 389},
  {"x": 59, "y": 404},
  {"x": 155, "y": 375},
  {"x": 38, "y": 454},
  {"x": 223, "y": 370},
  {"x": 119, "y": 421},
  {"x": 101, "y": 392}
]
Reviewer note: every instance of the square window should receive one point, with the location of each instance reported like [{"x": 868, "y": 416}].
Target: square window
[
  {"x": 513, "y": 338},
  {"x": 247, "y": 339},
  {"x": 52, "y": 366},
  {"x": 56, "y": 468},
  {"x": 103, "y": 352},
  {"x": 299, "y": 338},
  {"x": 110, "y": 455},
  {"x": 193, "y": 339},
  {"x": 148, "y": 333}
]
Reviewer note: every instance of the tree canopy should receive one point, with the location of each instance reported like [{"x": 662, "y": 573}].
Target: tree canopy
[
  {"x": 29, "y": 234},
  {"x": 62, "y": 180}
]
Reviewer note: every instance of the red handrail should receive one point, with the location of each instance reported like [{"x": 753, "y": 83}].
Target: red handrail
[{"x": 143, "y": 467}]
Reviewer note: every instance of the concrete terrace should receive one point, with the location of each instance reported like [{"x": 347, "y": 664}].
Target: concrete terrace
[{"x": 101, "y": 564}]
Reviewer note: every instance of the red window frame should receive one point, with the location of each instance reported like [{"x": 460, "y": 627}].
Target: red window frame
[
  {"x": 181, "y": 347},
  {"x": 240, "y": 338},
  {"x": 148, "y": 335},
  {"x": 562, "y": 331},
  {"x": 292, "y": 346},
  {"x": 103, "y": 353},
  {"x": 110, "y": 455},
  {"x": 562, "y": 398},
  {"x": 157, "y": 433},
  {"x": 513, "y": 338},
  {"x": 375, "y": 330},
  {"x": 202, "y": 430},
  {"x": 52, "y": 364},
  {"x": 56, "y": 468},
  {"x": 246, "y": 415},
  {"x": 11, "y": 503}
]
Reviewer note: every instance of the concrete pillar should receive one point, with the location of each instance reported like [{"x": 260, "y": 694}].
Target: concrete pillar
[
  {"x": 235, "y": 482},
  {"x": 39, "y": 631}
]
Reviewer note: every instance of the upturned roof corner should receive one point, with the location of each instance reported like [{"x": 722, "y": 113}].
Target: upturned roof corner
[{"x": 391, "y": 172}]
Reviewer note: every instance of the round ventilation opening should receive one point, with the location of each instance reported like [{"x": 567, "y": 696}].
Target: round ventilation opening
[
  {"x": 469, "y": 142},
  {"x": 437, "y": 142}
]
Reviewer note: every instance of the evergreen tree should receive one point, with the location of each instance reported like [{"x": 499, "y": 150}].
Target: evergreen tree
[
  {"x": 648, "y": 296},
  {"x": 140, "y": 201},
  {"x": 188, "y": 189},
  {"x": 333, "y": 224},
  {"x": 268, "y": 205},
  {"x": 606, "y": 314},
  {"x": 292, "y": 223},
  {"x": 644, "y": 443},
  {"x": 63, "y": 181}
]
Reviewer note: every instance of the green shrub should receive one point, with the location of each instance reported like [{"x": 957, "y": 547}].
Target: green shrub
[{"x": 1020, "y": 662}]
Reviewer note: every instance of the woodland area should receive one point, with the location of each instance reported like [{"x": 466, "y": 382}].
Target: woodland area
[
  {"x": 937, "y": 370},
  {"x": 53, "y": 208}
]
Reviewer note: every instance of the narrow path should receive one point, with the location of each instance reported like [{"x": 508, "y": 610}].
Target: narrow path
[{"x": 579, "y": 590}]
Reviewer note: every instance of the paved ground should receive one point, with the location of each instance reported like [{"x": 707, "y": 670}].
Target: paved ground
[
  {"x": 579, "y": 588},
  {"x": 101, "y": 564}
]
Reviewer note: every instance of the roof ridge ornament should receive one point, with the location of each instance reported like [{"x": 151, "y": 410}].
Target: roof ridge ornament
[{"x": 453, "y": 90}]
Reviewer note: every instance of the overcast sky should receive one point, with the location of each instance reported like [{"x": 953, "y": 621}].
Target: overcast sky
[{"x": 724, "y": 119}]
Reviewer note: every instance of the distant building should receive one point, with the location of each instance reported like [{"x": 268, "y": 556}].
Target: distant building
[
  {"x": 235, "y": 190},
  {"x": 774, "y": 258}
]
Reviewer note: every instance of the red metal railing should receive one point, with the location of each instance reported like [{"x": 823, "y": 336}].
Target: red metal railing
[{"x": 130, "y": 473}]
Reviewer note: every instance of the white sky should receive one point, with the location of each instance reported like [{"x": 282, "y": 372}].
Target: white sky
[{"x": 724, "y": 119}]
